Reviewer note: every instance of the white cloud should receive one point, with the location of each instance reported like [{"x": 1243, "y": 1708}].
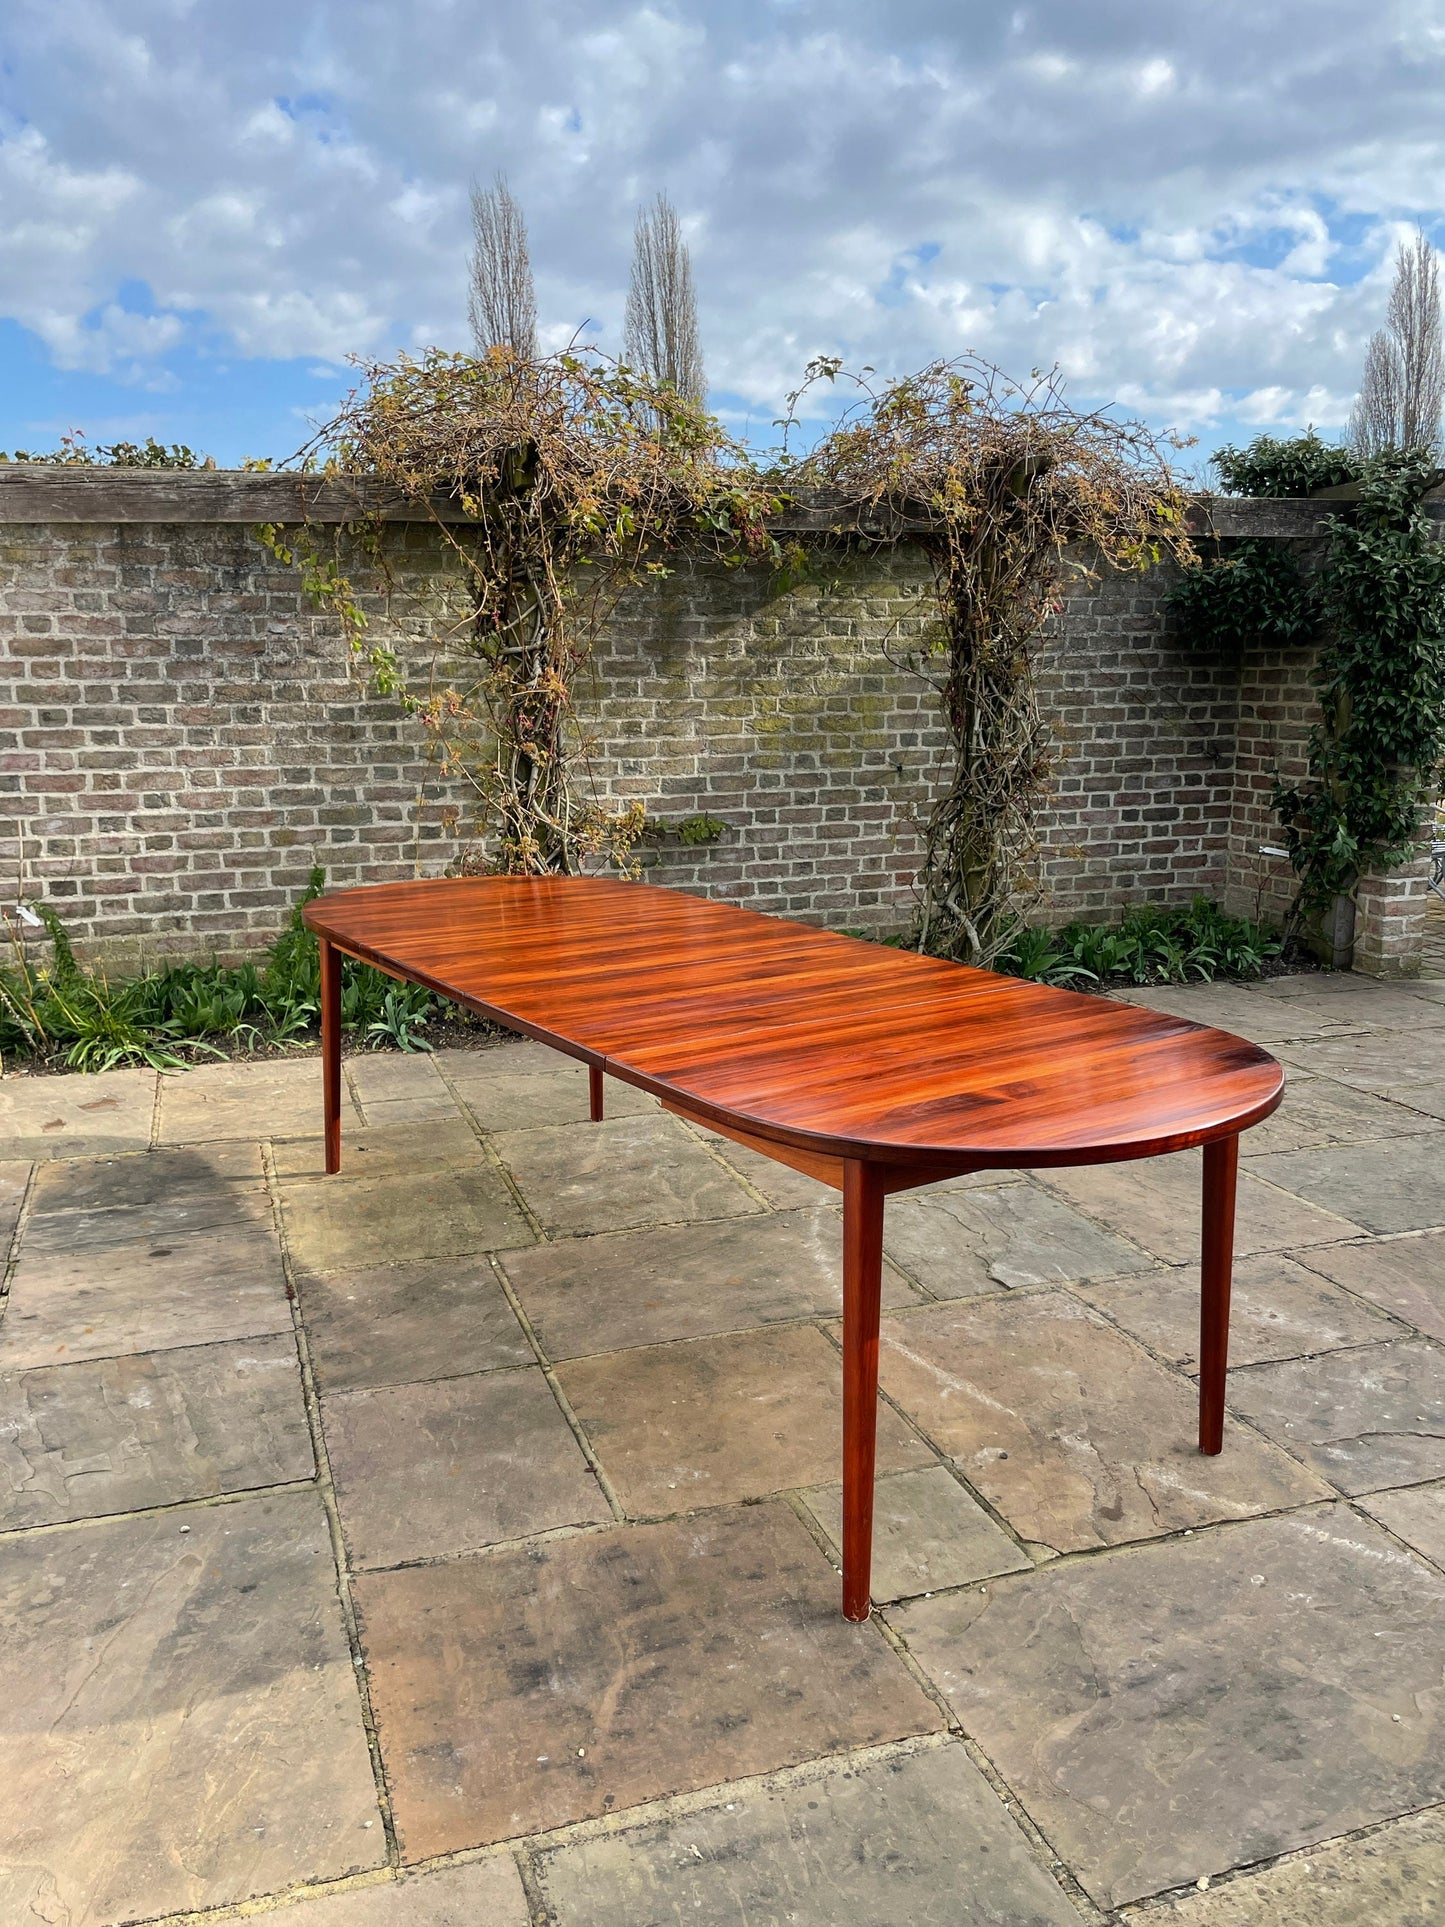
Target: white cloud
[{"x": 1190, "y": 209}]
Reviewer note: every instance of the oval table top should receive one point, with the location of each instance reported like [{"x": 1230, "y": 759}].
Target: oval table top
[{"x": 830, "y": 1044}]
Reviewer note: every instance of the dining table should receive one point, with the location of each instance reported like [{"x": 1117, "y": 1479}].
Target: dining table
[{"x": 870, "y": 1067}]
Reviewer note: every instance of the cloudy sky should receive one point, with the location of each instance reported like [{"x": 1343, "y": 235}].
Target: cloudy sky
[{"x": 206, "y": 206}]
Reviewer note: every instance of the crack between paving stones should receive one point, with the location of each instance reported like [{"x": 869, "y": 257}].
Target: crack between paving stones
[
  {"x": 22, "y": 1223},
  {"x": 1357, "y": 1506},
  {"x": 564, "y": 1404},
  {"x": 326, "y": 1488},
  {"x": 719, "y": 1157}
]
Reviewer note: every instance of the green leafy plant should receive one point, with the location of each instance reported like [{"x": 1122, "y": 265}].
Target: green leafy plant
[
  {"x": 1254, "y": 593},
  {"x": 1292, "y": 465},
  {"x": 1376, "y": 755},
  {"x": 693, "y": 831},
  {"x": 1152, "y": 944},
  {"x": 75, "y": 452},
  {"x": 1041, "y": 957},
  {"x": 405, "y": 1009},
  {"x": 166, "y": 1017}
]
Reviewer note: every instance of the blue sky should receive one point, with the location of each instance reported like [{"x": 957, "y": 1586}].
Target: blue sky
[{"x": 1193, "y": 211}]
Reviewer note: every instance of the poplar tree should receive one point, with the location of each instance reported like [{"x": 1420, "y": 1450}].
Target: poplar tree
[
  {"x": 660, "y": 336},
  {"x": 501, "y": 297},
  {"x": 1402, "y": 389}
]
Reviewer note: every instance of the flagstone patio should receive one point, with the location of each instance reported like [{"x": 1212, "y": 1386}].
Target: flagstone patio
[{"x": 454, "y": 1540}]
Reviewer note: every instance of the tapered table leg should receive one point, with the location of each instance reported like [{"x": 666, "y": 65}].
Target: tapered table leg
[
  {"x": 594, "y": 1092},
  {"x": 1221, "y": 1168},
  {"x": 862, "y": 1282},
  {"x": 331, "y": 1052}
]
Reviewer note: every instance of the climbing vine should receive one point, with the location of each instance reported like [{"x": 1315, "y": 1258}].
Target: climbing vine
[
  {"x": 555, "y": 483},
  {"x": 1375, "y": 755},
  {"x": 1016, "y": 497},
  {"x": 559, "y": 482}
]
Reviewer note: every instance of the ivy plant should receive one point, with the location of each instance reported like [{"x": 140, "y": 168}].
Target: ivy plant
[
  {"x": 1375, "y": 756},
  {"x": 1255, "y": 592}
]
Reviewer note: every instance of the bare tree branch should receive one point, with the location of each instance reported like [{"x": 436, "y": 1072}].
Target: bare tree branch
[
  {"x": 501, "y": 299},
  {"x": 660, "y": 331},
  {"x": 1402, "y": 389}
]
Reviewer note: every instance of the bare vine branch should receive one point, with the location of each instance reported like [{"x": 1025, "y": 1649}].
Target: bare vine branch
[
  {"x": 1012, "y": 491},
  {"x": 577, "y": 478}
]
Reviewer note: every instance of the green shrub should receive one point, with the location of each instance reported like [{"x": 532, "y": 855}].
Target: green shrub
[
  {"x": 1170, "y": 944},
  {"x": 169, "y": 1015},
  {"x": 1294, "y": 465}
]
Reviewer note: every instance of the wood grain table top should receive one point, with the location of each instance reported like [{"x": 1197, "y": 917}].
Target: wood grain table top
[{"x": 825, "y": 1043}]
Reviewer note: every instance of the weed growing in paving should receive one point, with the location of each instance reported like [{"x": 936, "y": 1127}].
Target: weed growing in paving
[{"x": 169, "y": 1016}]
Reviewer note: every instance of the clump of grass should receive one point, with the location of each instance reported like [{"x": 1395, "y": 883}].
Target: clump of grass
[
  {"x": 168, "y": 1016},
  {"x": 1153, "y": 944}
]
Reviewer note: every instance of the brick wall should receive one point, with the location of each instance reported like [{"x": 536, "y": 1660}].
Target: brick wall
[{"x": 180, "y": 740}]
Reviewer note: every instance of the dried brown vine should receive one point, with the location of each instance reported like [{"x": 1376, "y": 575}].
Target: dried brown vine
[
  {"x": 574, "y": 478},
  {"x": 1015, "y": 496}
]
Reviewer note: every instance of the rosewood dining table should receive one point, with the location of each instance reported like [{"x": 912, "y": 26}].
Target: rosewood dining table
[{"x": 870, "y": 1068}]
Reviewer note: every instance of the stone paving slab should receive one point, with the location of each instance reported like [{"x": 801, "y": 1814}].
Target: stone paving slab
[
  {"x": 117, "y": 1434},
  {"x": 425, "y": 1214},
  {"x": 1171, "y": 1711},
  {"x": 1278, "y": 1309},
  {"x": 394, "y": 1113},
  {"x": 1416, "y": 1515},
  {"x": 684, "y": 1281},
  {"x": 394, "y": 1324},
  {"x": 70, "y": 1117},
  {"x": 624, "y": 1172},
  {"x": 1341, "y": 983},
  {"x": 1405, "y": 1276},
  {"x": 919, "y": 1840},
  {"x": 526, "y": 1688},
  {"x": 779, "y": 1183},
  {"x": 275, "y": 1098},
  {"x": 1428, "y": 1099},
  {"x": 1384, "y": 1007},
  {"x": 1375, "y": 1060},
  {"x": 1239, "y": 1009},
  {"x": 1316, "y": 1110},
  {"x": 962, "y": 1242},
  {"x": 479, "y": 1893},
  {"x": 178, "y": 1715},
  {"x": 145, "y": 1297},
  {"x": 1156, "y": 1202},
  {"x": 720, "y": 1419},
  {"x": 1070, "y": 1430},
  {"x": 508, "y": 1100},
  {"x": 1363, "y": 1419},
  {"x": 1394, "y": 1877},
  {"x": 1396, "y": 1185},
  {"x": 393, "y": 1076},
  {"x": 431, "y": 1469},
  {"x": 382, "y": 1151},
  {"x": 928, "y": 1533},
  {"x": 191, "y": 1207},
  {"x": 144, "y": 1178}
]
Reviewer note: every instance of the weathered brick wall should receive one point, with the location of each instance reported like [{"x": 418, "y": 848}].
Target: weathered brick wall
[{"x": 180, "y": 739}]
